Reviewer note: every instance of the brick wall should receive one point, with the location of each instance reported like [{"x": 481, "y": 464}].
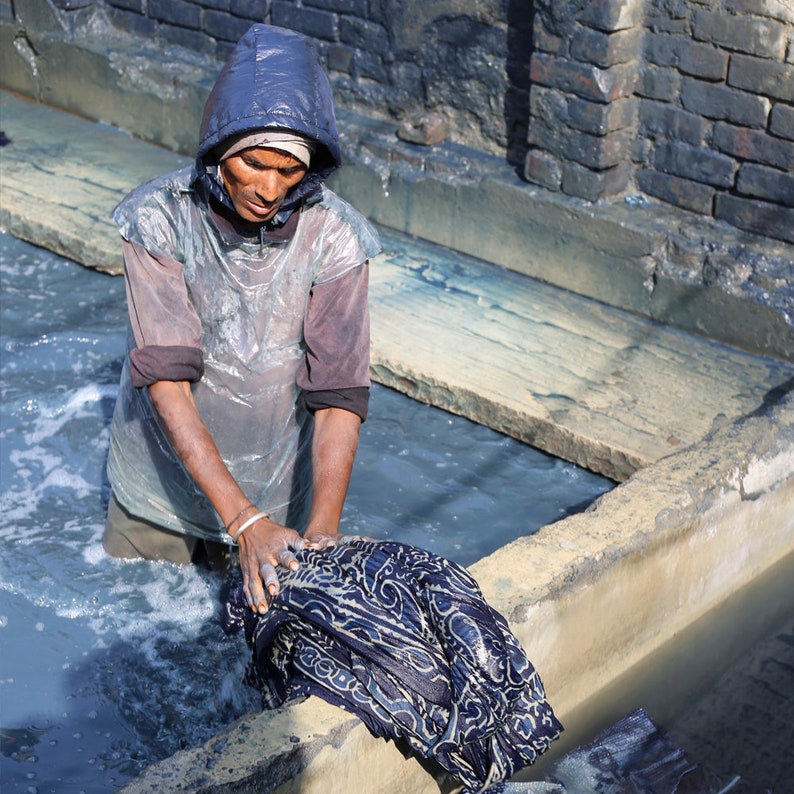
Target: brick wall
[
  {"x": 687, "y": 101},
  {"x": 690, "y": 102},
  {"x": 716, "y": 118},
  {"x": 464, "y": 59}
]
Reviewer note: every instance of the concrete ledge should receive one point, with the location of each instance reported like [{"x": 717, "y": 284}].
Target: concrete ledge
[
  {"x": 669, "y": 265},
  {"x": 665, "y": 264},
  {"x": 599, "y": 600},
  {"x": 156, "y": 93}
]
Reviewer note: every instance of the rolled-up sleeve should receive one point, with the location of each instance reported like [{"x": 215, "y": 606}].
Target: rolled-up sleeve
[
  {"x": 335, "y": 372},
  {"x": 165, "y": 326}
]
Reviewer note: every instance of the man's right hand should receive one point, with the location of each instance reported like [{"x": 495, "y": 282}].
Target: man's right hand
[{"x": 263, "y": 547}]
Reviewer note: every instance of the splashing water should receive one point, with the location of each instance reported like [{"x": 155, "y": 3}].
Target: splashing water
[{"x": 108, "y": 666}]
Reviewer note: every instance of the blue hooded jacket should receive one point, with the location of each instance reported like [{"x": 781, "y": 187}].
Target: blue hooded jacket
[{"x": 274, "y": 78}]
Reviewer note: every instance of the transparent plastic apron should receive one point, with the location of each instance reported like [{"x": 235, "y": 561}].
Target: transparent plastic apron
[{"x": 251, "y": 300}]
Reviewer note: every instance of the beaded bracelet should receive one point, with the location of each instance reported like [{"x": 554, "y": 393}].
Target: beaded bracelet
[
  {"x": 247, "y": 524},
  {"x": 240, "y": 515}
]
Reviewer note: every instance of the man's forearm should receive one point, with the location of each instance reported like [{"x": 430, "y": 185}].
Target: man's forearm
[
  {"x": 265, "y": 544},
  {"x": 336, "y": 434},
  {"x": 195, "y": 447}
]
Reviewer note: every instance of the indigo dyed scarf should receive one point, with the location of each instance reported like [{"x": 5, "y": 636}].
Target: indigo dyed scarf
[{"x": 403, "y": 639}]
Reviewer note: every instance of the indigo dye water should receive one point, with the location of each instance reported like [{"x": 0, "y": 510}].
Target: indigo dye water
[{"x": 107, "y": 666}]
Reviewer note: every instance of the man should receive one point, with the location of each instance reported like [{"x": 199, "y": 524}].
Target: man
[{"x": 248, "y": 374}]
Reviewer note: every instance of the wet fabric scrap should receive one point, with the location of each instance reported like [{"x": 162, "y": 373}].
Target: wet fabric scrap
[{"x": 403, "y": 639}]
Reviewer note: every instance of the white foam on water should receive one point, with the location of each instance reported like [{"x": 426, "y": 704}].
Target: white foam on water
[{"x": 53, "y": 415}]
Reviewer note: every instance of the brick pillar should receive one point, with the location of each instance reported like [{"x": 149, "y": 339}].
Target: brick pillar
[{"x": 582, "y": 118}]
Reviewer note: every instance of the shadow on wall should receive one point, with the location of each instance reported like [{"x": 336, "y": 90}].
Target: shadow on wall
[{"x": 520, "y": 45}]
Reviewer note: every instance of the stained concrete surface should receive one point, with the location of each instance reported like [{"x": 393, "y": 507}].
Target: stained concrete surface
[
  {"x": 744, "y": 725},
  {"x": 646, "y": 600},
  {"x": 711, "y": 503}
]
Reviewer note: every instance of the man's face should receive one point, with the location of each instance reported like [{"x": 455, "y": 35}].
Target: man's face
[{"x": 258, "y": 180}]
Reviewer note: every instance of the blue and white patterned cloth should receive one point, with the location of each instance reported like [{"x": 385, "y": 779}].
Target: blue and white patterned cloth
[{"x": 403, "y": 639}]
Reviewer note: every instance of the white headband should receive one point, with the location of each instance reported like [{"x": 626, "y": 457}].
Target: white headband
[{"x": 290, "y": 142}]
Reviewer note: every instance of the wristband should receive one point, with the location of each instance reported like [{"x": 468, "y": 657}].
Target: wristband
[
  {"x": 239, "y": 515},
  {"x": 247, "y": 524}
]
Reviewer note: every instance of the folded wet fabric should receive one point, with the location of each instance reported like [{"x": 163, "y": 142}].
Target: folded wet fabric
[{"x": 403, "y": 639}]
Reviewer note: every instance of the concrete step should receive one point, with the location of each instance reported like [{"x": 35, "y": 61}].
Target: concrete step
[{"x": 592, "y": 384}]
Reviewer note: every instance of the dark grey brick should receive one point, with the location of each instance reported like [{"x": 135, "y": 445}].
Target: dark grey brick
[
  {"x": 772, "y": 9},
  {"x": 177, "y": 12},
  {"x": 256, "y": 10},
  {"x": 356, "y": 7},
  {"x": 599, "y": 119},
  {"x": 598, "y": 152},
  {"x": 675, "y": 190},
  {"x": 781, "y": 121},
  {"x": 661, "y": 49},
  {"x": 364, "y": 35},
  {"x": 754, "y": 145},
  {"x": 762, "y": 76},
  {"x": 674, "y": 9},
  {"x": 380, "y": 10},
  {"x": 549, "y": 104},
  {"x": 610, "y": 15},
  {"x": 690, "y": 57},
  {"x": 218, "y": 5},
  {"x": 339, "y": 58},
  {"x": 741, "y": 33},
  {"x": 369, "y": 65},
  {"x": 551, "y": 138},
  {"x": 658, "y": 83},
  {"x": 127, "y": 5},
  {"x": 225, "y": 26},
  {"x": 767, "y": 183},
  {"x": 700, "y": 165},
  {"x": 594, "y": 185},
  {"x": 605, "y": 49},
  {"x": 722, "y": 102},
  {"x": 671, "y": 16},
  {"x": 702, "y": 60},
  {"x": 641, "y": 149},
  {"x": 543, "y": 169},
  {"x": 310, "y": 21},
  {"x": 662, "y": 120},
  {"x": 545, "y": 41},
  {"x": 584, "y": 80},
  {"x": 224, "y": 50},
  {"x": 759, "y": 217}
]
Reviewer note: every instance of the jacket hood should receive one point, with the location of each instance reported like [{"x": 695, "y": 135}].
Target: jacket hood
[{"x": 273, "y": 78}]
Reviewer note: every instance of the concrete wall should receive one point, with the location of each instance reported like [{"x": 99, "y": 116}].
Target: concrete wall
[{"x": 466, "y": 59}]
